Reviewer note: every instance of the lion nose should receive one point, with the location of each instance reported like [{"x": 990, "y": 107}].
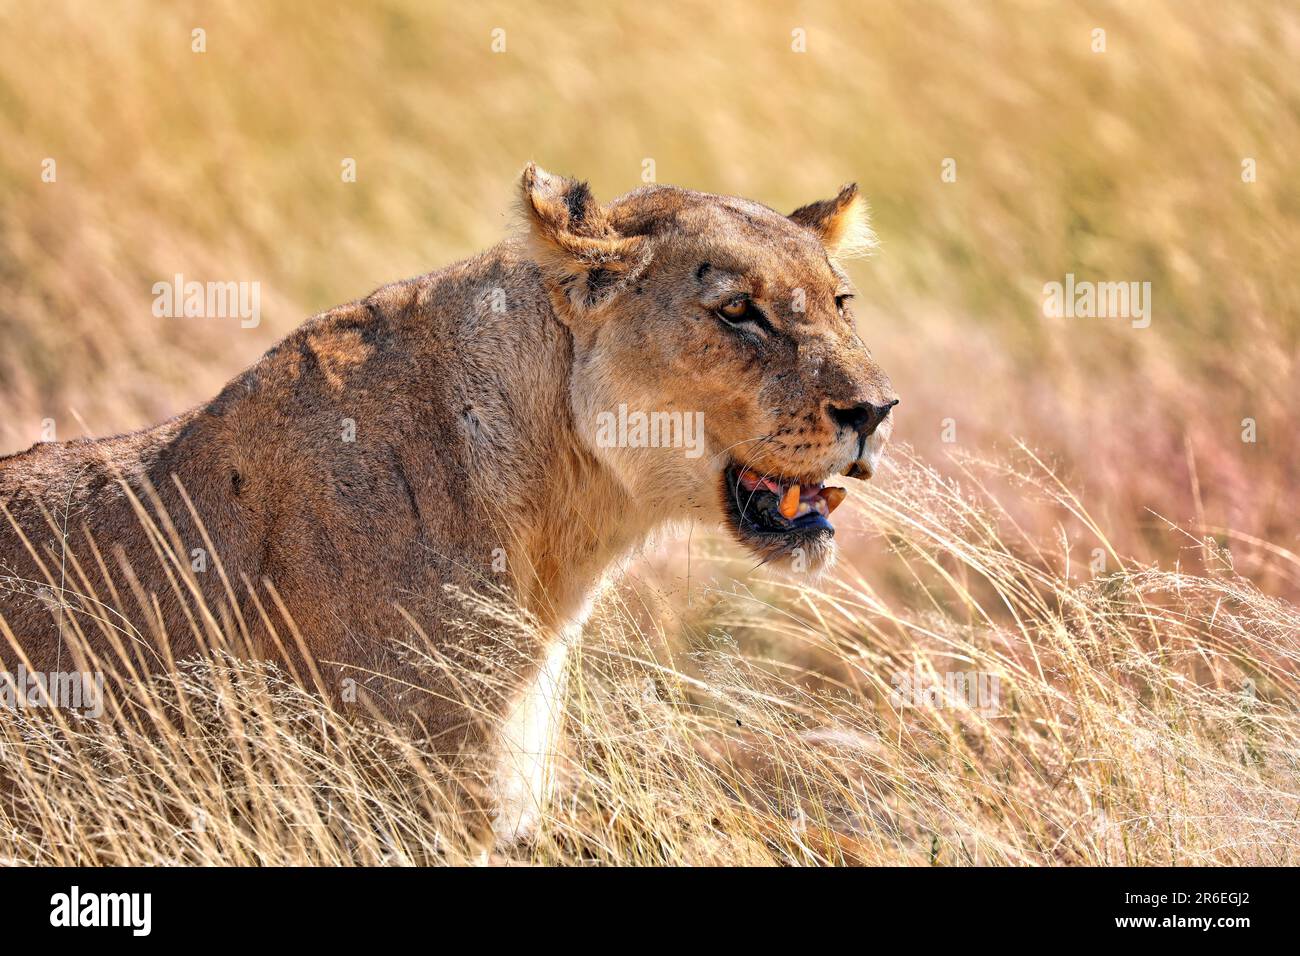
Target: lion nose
[{"x": 864, "y": 418}]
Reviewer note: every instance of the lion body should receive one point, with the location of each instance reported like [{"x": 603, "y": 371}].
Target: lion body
[{"x": 430, "y": 440}]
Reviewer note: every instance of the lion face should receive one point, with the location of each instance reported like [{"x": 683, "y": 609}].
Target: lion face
[{"x": 717, "y": 368}]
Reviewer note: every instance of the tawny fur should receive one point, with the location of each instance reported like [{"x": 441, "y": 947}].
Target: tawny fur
[{"x": 474, "y": 391}]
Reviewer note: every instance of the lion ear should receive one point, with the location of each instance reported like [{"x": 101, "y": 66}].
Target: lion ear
[
  {"x": 571, "y": 236},
  {"x": 842, "y": 224}
]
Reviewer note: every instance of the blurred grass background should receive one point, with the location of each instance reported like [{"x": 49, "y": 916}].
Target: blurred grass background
[
  {"x": 1148, "y": 715},
  {"x": 1123, "y": 165}
]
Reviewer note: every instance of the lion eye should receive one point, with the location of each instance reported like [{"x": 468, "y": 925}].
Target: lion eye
[
  {"x": 737, "y": 310},
  {"x": 841, "y": 301}
]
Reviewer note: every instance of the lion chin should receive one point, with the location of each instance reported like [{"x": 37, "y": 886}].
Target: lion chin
[{"x": 806, "y": 561}]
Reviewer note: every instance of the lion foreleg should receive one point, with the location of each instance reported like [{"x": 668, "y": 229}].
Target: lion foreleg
[{"x": 529, "y": 744}]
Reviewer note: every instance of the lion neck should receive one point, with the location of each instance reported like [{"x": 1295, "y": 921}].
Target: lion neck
[{"x": 565, "y": 514}]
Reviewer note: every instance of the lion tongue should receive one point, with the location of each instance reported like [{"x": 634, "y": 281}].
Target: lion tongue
[{"x": 754, "y": 481}]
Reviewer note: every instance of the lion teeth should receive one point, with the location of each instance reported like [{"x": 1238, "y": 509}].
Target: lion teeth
[
  {"x": 790, "y": 502},
  {"x": 834, "y": 498}
]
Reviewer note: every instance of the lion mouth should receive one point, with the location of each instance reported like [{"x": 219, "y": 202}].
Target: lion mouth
[{"x": 768, "y": 510}]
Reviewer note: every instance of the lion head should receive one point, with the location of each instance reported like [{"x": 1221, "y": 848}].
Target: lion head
[{"x": 717, "y": 370}]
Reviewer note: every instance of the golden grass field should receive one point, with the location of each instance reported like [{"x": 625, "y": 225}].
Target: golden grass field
[{"x": 1072, "y": 507}]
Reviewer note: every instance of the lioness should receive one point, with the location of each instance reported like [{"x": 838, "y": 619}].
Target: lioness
[{"x": 446, "y": 431}]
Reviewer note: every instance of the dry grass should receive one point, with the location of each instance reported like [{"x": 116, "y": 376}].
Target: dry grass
[
  {"x": 1140, "y": 716},
  {"x": 1146, "y": 707}
]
